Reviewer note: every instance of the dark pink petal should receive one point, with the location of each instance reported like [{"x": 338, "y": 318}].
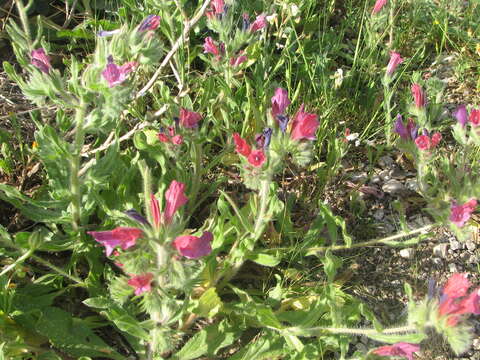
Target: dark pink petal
[
  {"x": 395, "y": 60},
  {"x": 436, "y": 138},
  {"x": 209, "y": 46},
  {"x": 151, "y": 22},
  {"x": 418, "y": 96},
  {"x": 241, "y": 145},
  {"x": 304, "y": 125},
  {"x": 218, "y": 6},
  {"x": 379, "y": 4},
  {"x": 175, "y": 197},
  {"x": 124, "y": 237},
  {"x": 459, "y": 214},
  {"x": 280, "y": 102},
  {"x": 177, "y": 140},
  {"x": 194, "y": 247},
  {"x": 141, "y": 283},
  {"x": 457, "y": 286},
  {"x": 155, "y": 208},
  {"x": 163, "y": 137},
  {"x": 189, "y": 119},
  {"x": 405, "y": 350},
  {"x": 257, "y": 158},
  {"x": 423, "y": 142},
  {"x": 259, "y": 23},
  {"x": 475, "y": 117},
  {"x": 40, "y": 60},
  {"x": 471, "y": 304}
]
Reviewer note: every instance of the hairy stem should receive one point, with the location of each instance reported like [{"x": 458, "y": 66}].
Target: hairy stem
[
  {"x": 75, "y": 166},
  {"x": 22, "y": 12}
]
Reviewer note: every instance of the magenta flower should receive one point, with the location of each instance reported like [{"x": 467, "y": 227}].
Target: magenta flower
[
  {"x": 455, "y": 302},
  {"x": 175, "y": 198},
  {"x": 141, "y": 283},
  {"x": 209, "y": 46},
  {"x": 459, "y": 214},
  {"x": 475, "y": 117},
  {"x": 125, "y": 237},
  {"x": 256, "y": 158},
  {"x": 115, "y": 74},
  {"x": 424, "y": 142},
  {"x": 280, "y": 102},
  {"x": 379, "y": 4},
  {"x": 259, "y": 23},
  {"x": 402, "y": 349},
  {"x": 235, "y": 61},
  {"x": 418, "y": 96},
  {"x": 461, "y": 114},
  {"x": 217, "y": 8},
  {"x": 189, "y": 119},
  {"x": 395, "y": 60},
  {"x": 241, "y": 145},
  {"x": 177, "y": 140},
  {"x": 155, "y": 209},
  {"x": 151, "y": 22},
  {"x": 170, "y": 137},
  {"x": 304, "y": 125},
  {"x": 40, "y": 60},
  {"x": 194, "y": 247}
]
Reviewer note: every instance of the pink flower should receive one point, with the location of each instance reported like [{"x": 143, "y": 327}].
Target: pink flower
[
  {"x": 155, "y": 209},
  {"x": 241, "y": 145},
  {"x": 189, "y": 119},
  {"x": 418, "y": 96},
  {"x": 175, "y": 197},
  {"x": 424, "y": 142},
  {"x": 163, "y": 137},
  {"x": 115, "y": 74},
  {"x": 151, "y": 22},
  {"x": 475, "y": 117},
  {"x": 256, "y": 158},
  {"x": 209, "y": 46},
  {"x": 177, "y": 140},
  {"x": 259, "y": 23},
  {"x": 379, "y": 4},
  {"x": 193, "y": 247},
  {"x": 304, "y": 125},
  {"x": 461, "y": 114},
  {"x": 405, "y": 350},
  {"x": 141, "y": 283},
  {"x": 280, "y": 102},
  {"x": 125, "y": 237},
  {"x": 238, "y": 60},
  {"x": 395, "y": 60},
  {"x": 459, "y": 214},
  {"x": 457, "y": 286},
  {"x": 40, "y": 60},
  {"x": 218, "y": 6}
]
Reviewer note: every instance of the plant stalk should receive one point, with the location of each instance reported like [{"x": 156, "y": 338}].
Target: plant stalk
[
  {"x": 22, "y": 12},
  {"x": 75, "y": 166}
]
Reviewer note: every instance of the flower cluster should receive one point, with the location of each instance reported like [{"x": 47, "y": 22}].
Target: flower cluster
[
  {"x": 462, "y": 116},
  {"x": 410, "y": 132},
  {"x": 255, "y": 157},
  {"x": 459, "y": 214},
  {"x": 303, "y": 126},
  {"x": 401, "y": 349},
  {"x": 114, "y": 74},
  {"x": 455, "y": 300},
  {"x": 170, "y": 136}
]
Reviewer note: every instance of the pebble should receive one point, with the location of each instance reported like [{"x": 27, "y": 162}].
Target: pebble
[
  {"x": 393, "y": 186},
  {"x": 455, "y": 245},
  {"x": 437, "y": 261},
  {"x": 440, "y": 250},
  {"x": 379, "y": 214},
  {"x": 385, "y": 161},
  {"x": 406, "y": 253},
  {"x": 471, "y": 246},
  {"x": 476, "y": 344},
  {"x": 398, "y": 174},
  {"x": 376, "y": 179},
  {"x": 452, "y": 268},
  {"x": 384, "y": 175},
  {"x": 412, "y": 184},
  {"x": 359, "y": 177}
]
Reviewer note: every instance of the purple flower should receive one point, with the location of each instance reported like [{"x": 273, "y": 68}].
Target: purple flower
[
  {"x": 151, "y": 22},
  {"x": 106, "y": 33},
  {"x": 115, "y": 74},
  {"x": 40, "y": 60},
  {"x": 461, "y": 114},
  {"x": 132, "y": 213},
  {"x": 283, "y": 122},
  {"x": 267, "y": 134},
  {"x": 400, "y": 128},
  {"x": 245, "y": 22}
]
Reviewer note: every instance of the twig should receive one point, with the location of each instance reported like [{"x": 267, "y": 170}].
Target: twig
[
  {"x": 174, "y": 49},
  {"x": 69, "y": 14}
]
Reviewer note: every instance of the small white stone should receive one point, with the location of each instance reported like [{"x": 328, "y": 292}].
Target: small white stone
[
  {"x": 393, "y": 186},
  {"x": 470, "y": 245},
  {"x": 440, "y": 250},
  {"x": 406, "y": 253},
  {"x": 455, "y": 245},
  {"x": 452, "y": 268}
]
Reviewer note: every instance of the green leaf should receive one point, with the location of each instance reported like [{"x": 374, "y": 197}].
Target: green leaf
[
  {"x": 208, "y": 341},
  {"x": 267, "y": 318},
  {"x": 209, "y": 304},
  {"x": 394, "y": 338},
  {"x": 330, "y": 265},
  {"x": 265, "y": 259},
  {"x": 266, "y": 346}
]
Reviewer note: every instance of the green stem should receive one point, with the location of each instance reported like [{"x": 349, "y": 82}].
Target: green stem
[
  {"x": 57, "y": 270},
  {"x": 75, "y": 166},
  {"x": 387, "y": 108},
  {"x": 22, "y": 12},
  {"x": 147, "y": 189},
  {"x": 373, "y": 242},
  {"x": 351, "y": 331},
  {"x": 17, "y": 262},
  {"x": 197, "y": 174}
]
